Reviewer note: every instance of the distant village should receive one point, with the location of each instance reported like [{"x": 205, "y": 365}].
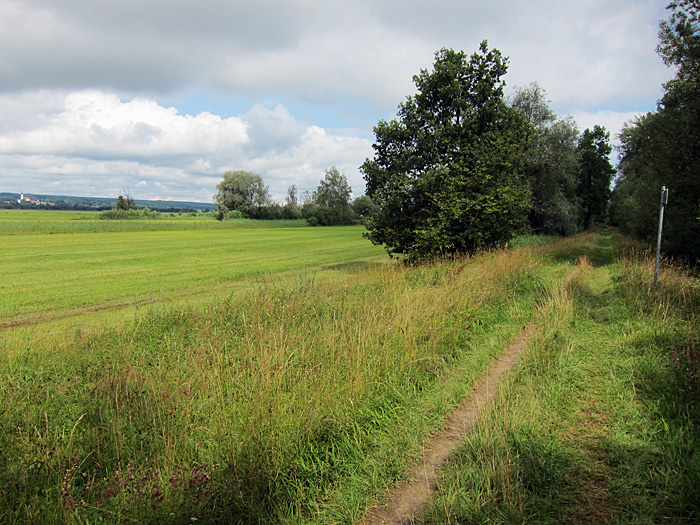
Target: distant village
[
  {"x": 45, "y": 202},
  {"x": 62, "y": 202},
  {"x": 24, "y": 200}
]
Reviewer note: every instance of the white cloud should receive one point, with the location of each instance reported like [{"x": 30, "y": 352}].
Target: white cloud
[
  {"x": 94, "y": 124},
  {"x": 612, "y": 121},
  {"x": 79, "y": 81},
  {"x": 97, "y": 144},
  {"x": 305, "y": 163}
]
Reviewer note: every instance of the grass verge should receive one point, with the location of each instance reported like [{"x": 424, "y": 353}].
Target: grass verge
[{"x": 599, "y": 422}]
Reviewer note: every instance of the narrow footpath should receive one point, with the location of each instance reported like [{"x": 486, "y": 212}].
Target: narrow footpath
[{"x": 406, "y": 501}]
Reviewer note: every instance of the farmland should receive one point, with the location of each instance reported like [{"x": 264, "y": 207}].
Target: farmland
[
  {"x": 62, "y": 265},
  {"x": 223, "y": 373}
]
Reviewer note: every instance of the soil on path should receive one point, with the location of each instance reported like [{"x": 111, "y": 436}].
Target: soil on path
[{"x": 408, "y": 499}]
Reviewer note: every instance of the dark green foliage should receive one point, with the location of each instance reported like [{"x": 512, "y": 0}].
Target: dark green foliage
[
  {"x": 679, "y": 46},
  {"x": 663, "y": 148},
  {"x": 330, "y": 204},
  {"x": 656, "y": 152},
  {"x": 125, "y": 203},
  {"x": 364, "y": 207},
  {"x": 272, "y": 212},
  {"x": 552, "y": 165},
  {"x": 129, "y": 214},
  {"x": 242, "y": 191},
  {"x": 643, "y": 168},
  {"x": 291, "y": 209},
  {"x": 448, "y": 174},
  {"x": 595, "y": 175}
]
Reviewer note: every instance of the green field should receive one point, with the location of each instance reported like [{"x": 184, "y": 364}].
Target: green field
[
  {"x": 54, "y": 267},
  {"x": 25, "y": 222},
  {"x": 246, "y": 373}
]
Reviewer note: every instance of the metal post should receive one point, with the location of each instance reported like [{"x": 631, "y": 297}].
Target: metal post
[{"x": 664, "y": 201}]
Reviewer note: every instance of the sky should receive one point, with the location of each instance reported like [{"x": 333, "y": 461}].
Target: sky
[{"x": 159, "y": 98}]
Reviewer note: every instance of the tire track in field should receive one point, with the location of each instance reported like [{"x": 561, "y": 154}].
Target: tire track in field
[
  {"x": 406, "y": 501},
  {"x": 175, "y": 296}
]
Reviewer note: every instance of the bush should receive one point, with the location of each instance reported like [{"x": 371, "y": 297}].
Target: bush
[
  {"x": 118, "y": 214},
  {"x": 233, "y": 215},
  {"x": 325, "y": 215}
]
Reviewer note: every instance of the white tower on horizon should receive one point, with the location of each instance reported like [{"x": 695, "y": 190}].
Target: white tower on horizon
[{"x": 21, "y": 198}]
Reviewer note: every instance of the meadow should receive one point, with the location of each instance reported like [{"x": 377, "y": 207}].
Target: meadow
[
  {"x": 599, "y": 421},
  {"x": 56, "y": 267},
  {"x": 293, "y": 375}
]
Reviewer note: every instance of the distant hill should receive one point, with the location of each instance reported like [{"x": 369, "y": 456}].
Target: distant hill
[{"x": 66, "y": 202}]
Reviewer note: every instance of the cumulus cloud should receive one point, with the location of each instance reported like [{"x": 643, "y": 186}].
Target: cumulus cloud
[
  {"x": 94, "y": 136},
  {"x": 305, "y": 163},
  {"x": 99, "y": 124},
  {"x": 80, "y": 81}
]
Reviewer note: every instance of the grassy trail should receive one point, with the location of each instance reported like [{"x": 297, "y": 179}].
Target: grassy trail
[
  {"x": 599, "y": 422},
  {"x": 408, "y": 500}
]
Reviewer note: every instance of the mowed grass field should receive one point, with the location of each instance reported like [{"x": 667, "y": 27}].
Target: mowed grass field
[{"x": 64, "y": 265}]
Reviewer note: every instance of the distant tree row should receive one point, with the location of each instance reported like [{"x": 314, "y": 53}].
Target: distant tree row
[
  {"x": 58, "y": 205},
  {"x": 461, "y": 169},
  {"x": 663, "y": 148},
  {"x": 244, "y": 195}
]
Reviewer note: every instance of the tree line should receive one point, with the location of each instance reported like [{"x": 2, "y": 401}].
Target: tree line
[
  {"x": 244, "y": 195},
  {"x": 662, "y": 148},
  {"x": 462, "y": 168}
]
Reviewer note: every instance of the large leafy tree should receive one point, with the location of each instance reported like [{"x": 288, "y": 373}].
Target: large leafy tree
[
  {"x": 363, "y": 207},
  {"x": 330, "y": 203},
  {"x": 595, "y": 175},
  {"x": 448, "y": 173},
  {"x": 551, "y": 164},
  {"x": 333, "y": 191},
  {"x": 242, "y": 191},
  {"x": 643, "y": 164},
  {"x": 663, "y": 148},
  {"x": 679, "y": 46},
  {"x": 291, "y": 209}
]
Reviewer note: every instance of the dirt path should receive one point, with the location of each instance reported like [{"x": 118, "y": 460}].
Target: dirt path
[{"x": 406, "y": 500}]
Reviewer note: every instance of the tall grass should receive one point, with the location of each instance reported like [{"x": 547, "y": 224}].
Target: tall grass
[
  {"x": 599, "y": 423},
  {"x": 287, "y": 401}
]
